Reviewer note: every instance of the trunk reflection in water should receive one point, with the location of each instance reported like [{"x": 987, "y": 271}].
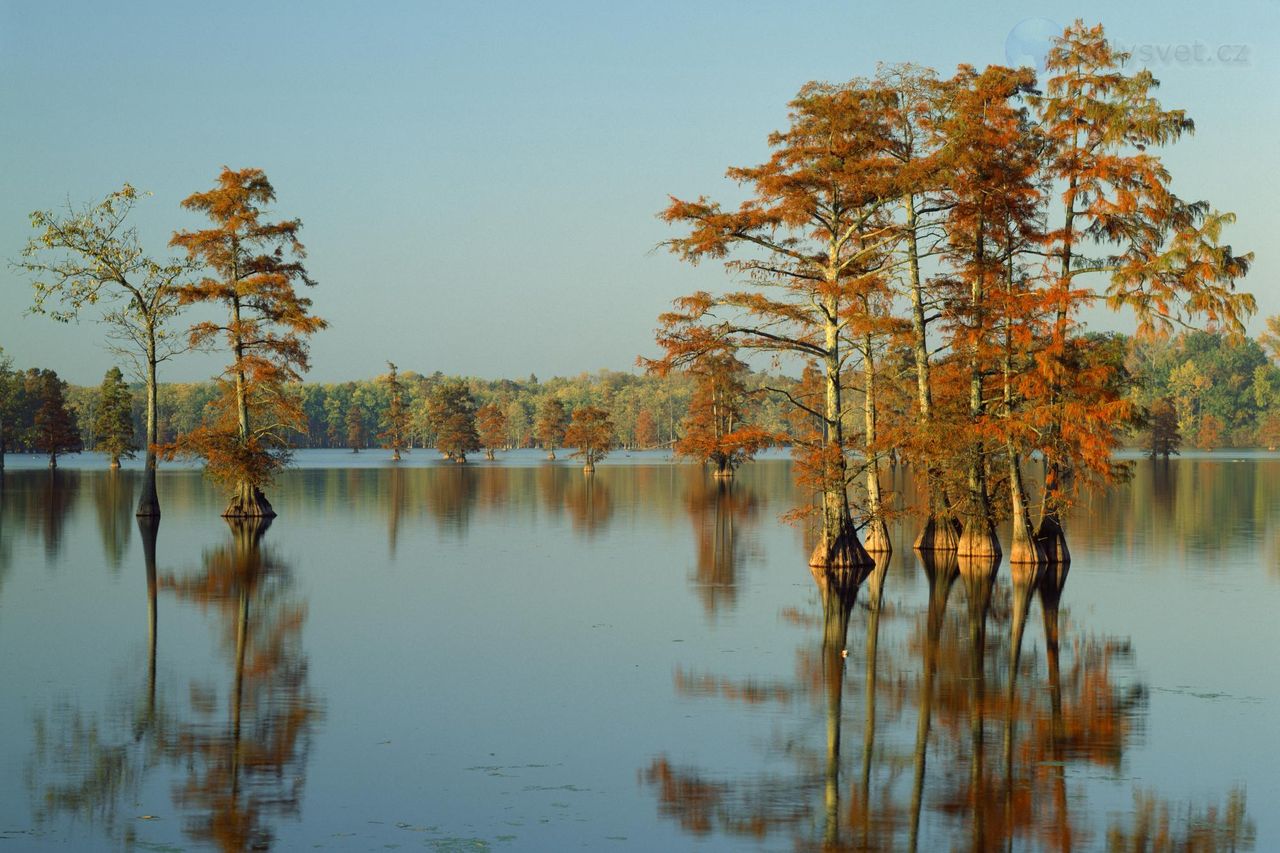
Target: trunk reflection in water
[
  {"x": 971, "y": 686},
  {"x": 244, "y": 768}
]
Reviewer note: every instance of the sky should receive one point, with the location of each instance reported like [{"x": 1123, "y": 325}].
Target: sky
[{"x": 479, "y": 182}]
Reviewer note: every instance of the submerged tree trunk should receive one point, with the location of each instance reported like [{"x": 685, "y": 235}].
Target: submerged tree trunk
[
  {"x": 488, "y": 453},
  {"x": 249, "y": 502},
  {"x": 940, "y": 531},
  {"x": 53, "y": 460},
  {"x": 723, "y": 469},
  {"x": 1052, "y": 539},
  {"x": 838, "y": 544},
  {"x": 1024, "y": 548},
  {"x": 149, "y": 501},
  {"x": 395, "y": 454},
  {"x": 115, "y": 463},
  {"x": 877, "y": 537},
  {"x": 978, "y": 538}
]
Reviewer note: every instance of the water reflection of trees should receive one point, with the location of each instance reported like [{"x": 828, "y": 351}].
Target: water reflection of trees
[
  {"x": 722, "y": 513},
  {"x": 247, "y": 770},
  {"x": 238, "y": 770},
  {"x": 113, "y": 503},
  {"x": 997, "y": 734}
]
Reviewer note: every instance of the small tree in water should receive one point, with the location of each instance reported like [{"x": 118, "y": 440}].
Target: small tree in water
[
  {"x": 646, "y": 430},
  {"x": 551, "y": 425},
  {"x": 113, "y": 422},
  {"x": 253, "y": 267},
  {"x": 592, "y": 433},
  {"x": 492, "y": 425},
  {"x": 715, "y": 431},
  {"x": 452, "y": 413},
  {"x": 355, "y": 427},
  {"x": 395, "y": 423},
  {"x": 1165, "y": 438},
  {"x": 55, "y": 430}
]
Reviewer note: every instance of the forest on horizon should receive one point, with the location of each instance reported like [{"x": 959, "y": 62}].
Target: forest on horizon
[{"x": 1224, "y": 390}]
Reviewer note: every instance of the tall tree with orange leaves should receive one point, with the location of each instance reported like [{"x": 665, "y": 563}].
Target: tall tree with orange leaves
[
  {"x": 491, "y": 424},
  {"x": 253, "y": 266},
  {"x": 716, "y": 430},
  {"x": 1163, "y": 257},
  {"x": 592, "y": 433},
  {"x": 395, "y": 421},
  {"x": 814, "y": 234},
  {"x": 991, "y": 166}
]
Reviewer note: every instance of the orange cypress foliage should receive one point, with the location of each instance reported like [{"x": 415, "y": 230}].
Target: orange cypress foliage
[
  {"x": 990, "y": 164},
  {"x": 491, "y": 424},
  {"x": 551, "y": 425},
  {"x": 715, "y": 430},
  {"x": 395, "y": 420},
  {"x": 646, "y": 430},
  {"x": 591, "y": 432},
  {"x": 253, "y": 266},
  {"x": 1163, "y": 256},
  {"x": 812, "y": 237}
]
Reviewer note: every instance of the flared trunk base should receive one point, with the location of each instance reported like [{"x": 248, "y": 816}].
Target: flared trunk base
[
  {"x": 589, "y": 468},
  {"x": 978, "y": 540},
  {"x": 1053, "y": 541},
  {"x": 845, "y": 551},
  {"x": 877, "y": 538},
  {"x": 940, "y": 533},
  {"x": 1025, "y": 550},
  {"x": 149, "y": 502},
  {"x": 249, "y": 502}
]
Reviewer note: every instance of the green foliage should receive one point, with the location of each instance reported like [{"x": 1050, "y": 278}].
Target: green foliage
[{"x": 113, "y": 418}]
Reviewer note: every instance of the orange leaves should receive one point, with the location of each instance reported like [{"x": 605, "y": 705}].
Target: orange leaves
[
  {"x": 715, "y": 430},
  {"x": 591, "y": 431},
  {"x": 254, "y": 266}
]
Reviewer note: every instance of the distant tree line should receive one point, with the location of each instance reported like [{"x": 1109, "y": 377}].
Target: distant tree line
[{"x": 1205, "y": 390}]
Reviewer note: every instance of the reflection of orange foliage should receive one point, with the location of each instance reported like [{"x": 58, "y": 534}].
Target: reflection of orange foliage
[
  {"x": 750, "y": 691},
  {"x": 588, "y": 505},
  {"x": 718, "y": 510},
  {"x": 240, "y": 776}
]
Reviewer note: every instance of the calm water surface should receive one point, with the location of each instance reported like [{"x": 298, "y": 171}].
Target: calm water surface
[{"x": 512, "y": 656}]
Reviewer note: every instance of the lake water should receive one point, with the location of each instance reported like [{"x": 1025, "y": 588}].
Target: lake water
[{"x": 512, "y": 656}]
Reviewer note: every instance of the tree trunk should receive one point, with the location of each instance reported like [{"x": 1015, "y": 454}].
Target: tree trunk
[
  {"x": 978, "y": 537},
  {"x": 723, "y": 470},
  {"x": 877, "y": 536},
  {"x": 488, "y": 454},
  {"x": 838, "y": 545},
  {"x": 940, "y": 531},
  {"x": 395, "y": 454},
  {"x": 1024, "y": 548},
  {"x": 149, "y": 501},
  {"x": 115, "y": 463},
  {"x": 589, "y": 468},
  {"x": 248, "y": 502},
  {"x": 1050, "y": 535}
]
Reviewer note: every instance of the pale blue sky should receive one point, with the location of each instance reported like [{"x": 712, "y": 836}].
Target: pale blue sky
[{"x": 478, "y": 181}]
